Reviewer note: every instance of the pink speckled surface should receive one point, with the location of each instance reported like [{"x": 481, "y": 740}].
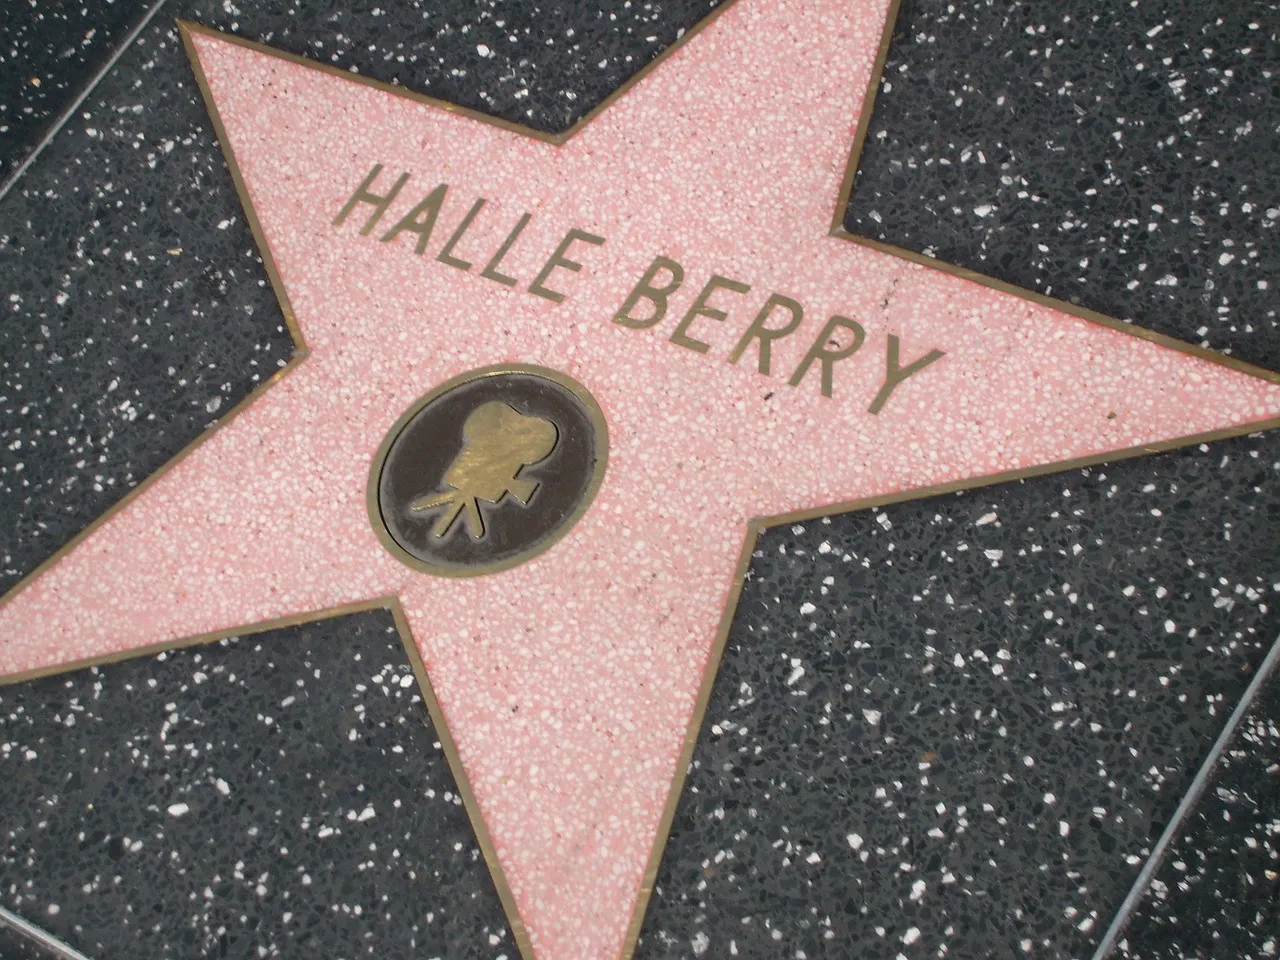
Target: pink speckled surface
[{"x": 727, "y": 158}]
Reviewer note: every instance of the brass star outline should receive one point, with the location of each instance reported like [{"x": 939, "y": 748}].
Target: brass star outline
[{"x": 755, "y": 526}]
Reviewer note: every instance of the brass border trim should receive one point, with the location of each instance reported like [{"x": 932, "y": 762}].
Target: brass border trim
[
  {"x": 242, "y": 189},
  {"x": 391, "y": 604},
  {"x": 196, "y": 640},
  {"x": 188, "y": 27},
  {"x": 1062, "y": 306},
  {"x": 690, "y": 742},
  {"x": 594, "y": 413},
  {"x": 1021, "y": 473},
  {"x": 864, "y": 117},
  {"x": 154, "y": 478},
  {"x": 478, "y": 825}
]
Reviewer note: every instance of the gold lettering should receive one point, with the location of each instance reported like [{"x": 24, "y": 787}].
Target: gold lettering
[
  {"x": 766, "y": 335},
  {"x": 558, "y": 259},
  {"x": 490, "y": 270},
  {"x": 819, "y": 351},
  {"x": 700, "y": 308},
  {"x": 414, "y": 222},
  {"x": 894, "y": 374},
  {"x": 446, "y": 252},
  {"x": 364, "y": 195},
  {"x": 645, "y": 290}
]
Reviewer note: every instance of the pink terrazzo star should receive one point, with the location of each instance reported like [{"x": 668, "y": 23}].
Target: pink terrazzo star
[{"x": 569, "y": 682}]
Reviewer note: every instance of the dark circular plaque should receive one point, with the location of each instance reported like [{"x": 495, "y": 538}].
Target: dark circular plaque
[{"x": 487, "y": 470}]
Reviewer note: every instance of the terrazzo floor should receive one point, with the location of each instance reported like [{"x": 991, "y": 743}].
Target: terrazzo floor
[{"x": 943, "y": 726}]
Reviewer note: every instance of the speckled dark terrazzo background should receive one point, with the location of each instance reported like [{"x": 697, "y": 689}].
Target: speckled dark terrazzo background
[
  {"x": 48, "y": 51},
  {"x": 1117, "y": 155},
  {"x": 138, "y": 313},
  {"x": 962, "y": 722},
  {"x": 279, "y": 795},
  {"x": 13, "y": 947},
  {"x": 1218, "y": 894}
]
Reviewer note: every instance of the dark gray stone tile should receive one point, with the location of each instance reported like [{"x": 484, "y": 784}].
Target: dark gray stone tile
[
  {"x": 14, "y": 947},
  {"x": 1218, "y": 893},
  {"x": 48, "y": 52},
  {"x": 955, "y": 727},
  {"x": 1118, "y": 156},
  {"x": 276, "y": 795}
]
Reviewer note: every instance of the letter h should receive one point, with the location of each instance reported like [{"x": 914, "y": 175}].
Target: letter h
[{"x": 364, "y": 195}]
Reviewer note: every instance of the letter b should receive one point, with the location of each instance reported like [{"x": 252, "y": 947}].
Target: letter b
[{"x": 645, "y": 290}]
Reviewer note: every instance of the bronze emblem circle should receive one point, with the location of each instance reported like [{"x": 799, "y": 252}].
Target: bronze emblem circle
[{"x": 487, "y": 470}]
